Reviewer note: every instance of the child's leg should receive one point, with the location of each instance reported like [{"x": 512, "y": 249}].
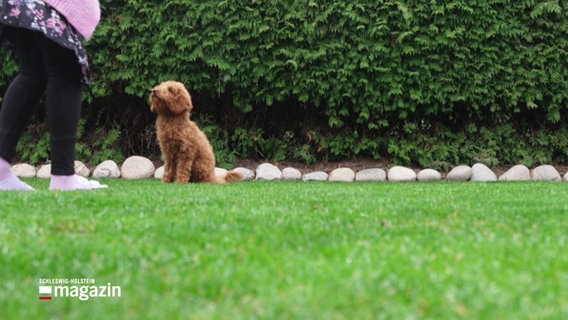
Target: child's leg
[
  {"x": 20, "y": 99},
  {"x": 63, "y": 102},
  {"x": 63, "y": 113}
]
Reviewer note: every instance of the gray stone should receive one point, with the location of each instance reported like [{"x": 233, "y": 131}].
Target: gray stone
[
  {"x": 315, "y": 176},
  {"x": 137, "y": 167},
  {"x": 546, "y": 173},
  {"x": 371, "y": 175},
  {"x": 220, "y": 172},
  {"x": 401, "y": 174},
  {"x": 516, "y": 173},
  {"x": 267, "y": 171},
  {"x": 460, "y": 173},
  {"x": 342, "y": 175},
  {"x": 566, "y": 177},
  {"x": 81, "y": 169},
  {"x": 481, "y": 173},
  {"x": 159, "y": 173},
  {"x": 429, "y": 175},
  {"x": 107, "y": 169},
  {"x": 248, "y": 174},
  {"x": 44, "y": 171},
  {"x": 291, "y": 174},
  {"x": 24, "y": 170}
]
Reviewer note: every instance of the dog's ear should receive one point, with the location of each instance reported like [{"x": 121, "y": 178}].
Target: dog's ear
[{"x": 181, "y": 101}]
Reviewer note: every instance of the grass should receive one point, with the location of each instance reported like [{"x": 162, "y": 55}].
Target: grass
[{"x": 290, "y": 250}]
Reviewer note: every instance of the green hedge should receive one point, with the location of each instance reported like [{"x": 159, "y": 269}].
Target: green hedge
[{"x": 417, "y": 82}]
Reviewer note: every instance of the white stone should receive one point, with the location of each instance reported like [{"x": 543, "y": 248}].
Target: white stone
[
  {"x": 44, "y": 172},
  {"x": 107, "y": 169},
  {"x": 566, "y": 177},
  {"x": 546, "y": 173},
  {"x": 516, "y": 173},
  {"x": 460, "y": 173},
  {"x": 81, "y": 169},
  {"x": 315, "y": 176},
  {"x": 371, "y": 175},
  {"x": 267, "y": 171},
  {"x": 137, "y": 167},
  {"x": 342, "y": 175},
  {"x": 159, "y": 174},
  {"x": 481, "y": 173},
  {"x": 248, "y": 174},
  {"x": 291, "y": 174},
  {"x": 401, "y": 174},
  {"x": 220, "y": 172},
  {"x": 24, "y": 170},
  {"x": 429, "y": 175}
]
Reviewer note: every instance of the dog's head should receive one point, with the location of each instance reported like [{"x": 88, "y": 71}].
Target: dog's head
[{"x": 170, "y": 97}]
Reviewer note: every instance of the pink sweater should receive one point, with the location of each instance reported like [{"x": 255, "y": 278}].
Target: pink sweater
[{"x": 84, "y": 15}]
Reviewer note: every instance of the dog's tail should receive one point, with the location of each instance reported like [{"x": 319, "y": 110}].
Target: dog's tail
[{"x": 232, "y": 176}]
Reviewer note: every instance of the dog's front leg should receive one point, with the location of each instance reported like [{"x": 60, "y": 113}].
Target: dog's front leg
[
  {"x": 183, "y": 171},
  {"x": 169, "y": 170},
  {"x": 168, "y": 174}
]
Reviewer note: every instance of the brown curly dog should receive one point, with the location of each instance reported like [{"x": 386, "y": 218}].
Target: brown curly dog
[{"x": 187, "y": 153}]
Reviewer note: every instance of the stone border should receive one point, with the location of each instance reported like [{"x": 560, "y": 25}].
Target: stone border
[{"x": 137, "y": 167}]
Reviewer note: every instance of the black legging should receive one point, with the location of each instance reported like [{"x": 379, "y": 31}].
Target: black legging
[{"x": 42, "y": 63}]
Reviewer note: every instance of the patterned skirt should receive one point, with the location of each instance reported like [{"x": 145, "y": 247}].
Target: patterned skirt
[{"x": 36, "y": 15}]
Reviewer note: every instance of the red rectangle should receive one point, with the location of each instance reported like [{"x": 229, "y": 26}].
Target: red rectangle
[{"x": 44, "y": 298}]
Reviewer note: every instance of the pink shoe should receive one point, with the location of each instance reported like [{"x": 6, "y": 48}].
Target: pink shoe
[
  {"x": 74, "y": 182},
  {"x": 13, "y": 183}
]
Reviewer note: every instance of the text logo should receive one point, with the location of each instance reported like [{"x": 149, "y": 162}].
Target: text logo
[
  {"x": 50, "y": 289},
  {"x": 45, "y": 293}
]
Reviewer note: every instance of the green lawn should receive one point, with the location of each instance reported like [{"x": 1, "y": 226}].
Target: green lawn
[{"x": 290, "y": 250}]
